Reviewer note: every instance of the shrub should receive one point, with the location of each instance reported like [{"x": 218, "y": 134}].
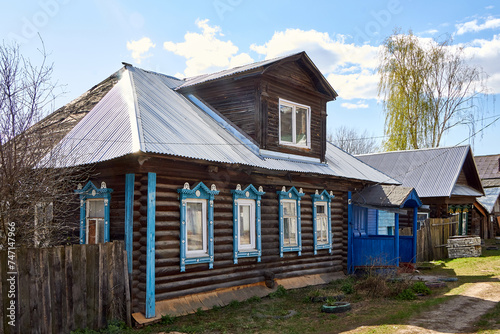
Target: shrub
[
  {"x": 280, "y": 292},
  {"x": 420, "y": 287},
  {"x": 406, "y": 294}
]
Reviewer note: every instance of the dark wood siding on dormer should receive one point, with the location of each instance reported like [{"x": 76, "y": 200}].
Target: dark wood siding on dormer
[
  {"x": 235, "y": 99},
  {"x": 292, "y": 83},
  {"x": 251, "y": 102}
]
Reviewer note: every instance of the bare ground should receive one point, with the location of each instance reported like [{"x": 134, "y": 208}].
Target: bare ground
[{"x": 454, "y": 316}]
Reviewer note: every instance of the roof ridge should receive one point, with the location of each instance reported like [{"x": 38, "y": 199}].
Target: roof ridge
[{"x": 414, "y": 150}]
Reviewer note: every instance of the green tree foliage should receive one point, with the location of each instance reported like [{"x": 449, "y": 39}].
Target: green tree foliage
[{"x": 427, "y": 87}]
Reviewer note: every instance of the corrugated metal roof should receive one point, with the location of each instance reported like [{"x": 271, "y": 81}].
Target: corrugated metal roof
[
  {"x": 489, "y": 199},
  {"x": 225, "y": 73},
  {"x": 142, "y": 112},
  {"x": 382, "y": 196},
  {"x": 432, "y": 172}
]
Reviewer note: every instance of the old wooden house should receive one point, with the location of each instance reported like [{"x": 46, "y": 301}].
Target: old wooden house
[
  {"x": 219, "y": 183},
  {"x": 489, "y": 205},
  {"x": 445, "y": 178}
]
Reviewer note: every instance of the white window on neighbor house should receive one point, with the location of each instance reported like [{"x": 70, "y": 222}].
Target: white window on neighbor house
[
  {"x": 294, "y": 124},
  {"x": 196, "y": 228},
  {"x": 44, "y": 214},
  {"x": 95, "y": 221}
]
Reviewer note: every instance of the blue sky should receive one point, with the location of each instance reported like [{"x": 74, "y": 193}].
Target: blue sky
[{"x": 88, "y": 40}]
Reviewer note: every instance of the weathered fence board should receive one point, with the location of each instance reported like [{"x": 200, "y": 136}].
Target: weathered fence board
[
  {"x": 433, "y": 237},
  {"x": 64, "y": 288}
]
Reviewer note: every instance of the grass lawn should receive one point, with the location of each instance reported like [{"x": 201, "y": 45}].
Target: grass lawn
[{"x": 374, "y": 300}]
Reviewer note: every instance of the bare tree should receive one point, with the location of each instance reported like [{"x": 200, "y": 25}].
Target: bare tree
[
  {"x": 353, "y": 142},
  {"x": 34, "y": 196}
]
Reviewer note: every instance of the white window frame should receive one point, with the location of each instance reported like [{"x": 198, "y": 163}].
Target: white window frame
[
  {"x": 296, "y": 217},
  {"x": 98, "y": 220},
  {"x": 294, "y": 105},
  {"x": 325, "y": 216},
  {"x": 251, "y": 204},
  {"x": 204, "y": 251}
]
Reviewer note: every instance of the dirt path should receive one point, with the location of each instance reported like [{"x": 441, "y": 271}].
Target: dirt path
[{"x": 454, "y": 316}]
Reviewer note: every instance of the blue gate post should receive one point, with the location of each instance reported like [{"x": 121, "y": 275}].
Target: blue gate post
[
  {"x": 414, "y": 254},
  {"x": 350, "y": 268},
  {"x": 396, "y": 238},
  {"x": 129, "y": 217},
  {"x": 150, "y": 246}
]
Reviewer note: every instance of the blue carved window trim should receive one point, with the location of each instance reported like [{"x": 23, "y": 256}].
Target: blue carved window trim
[
  {"x": 199, "y": 192},
  {"x": 242, "y": 197},
  {"x": 323, "y": 198},
  {"x": 91, "y": 192},
  {"x": 284, "y": 196}
]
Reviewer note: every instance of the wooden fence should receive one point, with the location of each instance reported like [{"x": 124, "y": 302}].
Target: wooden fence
[
  {"x": 433, "y": 237},
  {"x": 63, "y": 288}
]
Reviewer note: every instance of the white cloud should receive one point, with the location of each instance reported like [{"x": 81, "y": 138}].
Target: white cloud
[
  {"x": 350, "y": 69},
  {"x": 489, "y": 7},
  {"x": 361, "y": 85},
  {"x": 358, "y": 105},
  {"x": 473, "y": 26},
  {"x": 485, "y": 54},
  {"x": 140, "y": 48},
  {"x": 429, "y": 32},
  {"x": 206, "y": 52}
]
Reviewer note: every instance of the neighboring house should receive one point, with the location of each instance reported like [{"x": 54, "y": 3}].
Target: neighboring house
[
  {"x": 218, "y": 182},
  {"x": 445, "y": 178},
  {"x": 488, "y": 167},
  {"x": 378, "y": 214}
]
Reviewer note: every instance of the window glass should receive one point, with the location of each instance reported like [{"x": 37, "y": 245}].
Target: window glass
[
  {"x": 321, "y": 224},
  {"x": 301, "y": 126},
  {"x": 194, "y": 226},
  {"x": 289, "y": 223},
  {"x": 286, "y": 123},
  {"x": 95, "y": 209},
  {"x": 245, "y": 220}
]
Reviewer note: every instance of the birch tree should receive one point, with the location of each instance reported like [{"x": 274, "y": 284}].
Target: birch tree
[{"x": 427, "y": 88}]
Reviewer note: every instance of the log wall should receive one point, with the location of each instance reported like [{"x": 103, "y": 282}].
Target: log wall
[{"x": 171, "y": 175}]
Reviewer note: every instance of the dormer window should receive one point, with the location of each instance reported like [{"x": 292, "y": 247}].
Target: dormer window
[{"x": 295, "y": 120}]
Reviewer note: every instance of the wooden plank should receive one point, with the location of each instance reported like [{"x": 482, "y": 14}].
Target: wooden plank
[
  {"x": 35, "y": 290},
  {"x": 79, "y": 288},
  {"x": 24, "y": 280},
  {"x": 55, "y": 274},
  {"x": 46, "y": 324},
  {"x": 128, "y": 306},
  {"x": 150, "y": 255},
  {"x": 3, "y": 291},
  {"x": 101, "y": 279},
  {"x": 91, "y": 280},
  {"x": 129, "y": 217},
  {"x": 68, "y": 291}
]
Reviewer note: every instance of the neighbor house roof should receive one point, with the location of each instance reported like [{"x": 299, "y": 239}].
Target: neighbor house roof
[
  {"x": 387, "y": 196},
  {"x": 488, "y": 167},
  {"x": 143, "y": 112},
  {"x": 432, "y": 172},
  {"x": 489, "y": 199}
]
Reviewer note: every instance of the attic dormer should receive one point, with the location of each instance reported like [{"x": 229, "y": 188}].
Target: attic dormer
[{"x": 279, "y": 103}]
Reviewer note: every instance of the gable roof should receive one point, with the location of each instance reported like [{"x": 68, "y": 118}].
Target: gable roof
[
  {"x": 433, "y": 172},
  {"x": 489, "y": 199},
  {"x": 387, "y": 196},
  {"x": 261, "y": 67},
  {"x": 488, "y": 167},
  {"x": 143, "y": 112}
]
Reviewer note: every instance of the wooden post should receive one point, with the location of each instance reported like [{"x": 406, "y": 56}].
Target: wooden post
[
  {"x": 396, "y": 238},
  {"x": 150, "y": 255},
  {"x": 129, "y": 217},
  {"x": 414, "y": 254},
  {"x": 350, "y": 268}
]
